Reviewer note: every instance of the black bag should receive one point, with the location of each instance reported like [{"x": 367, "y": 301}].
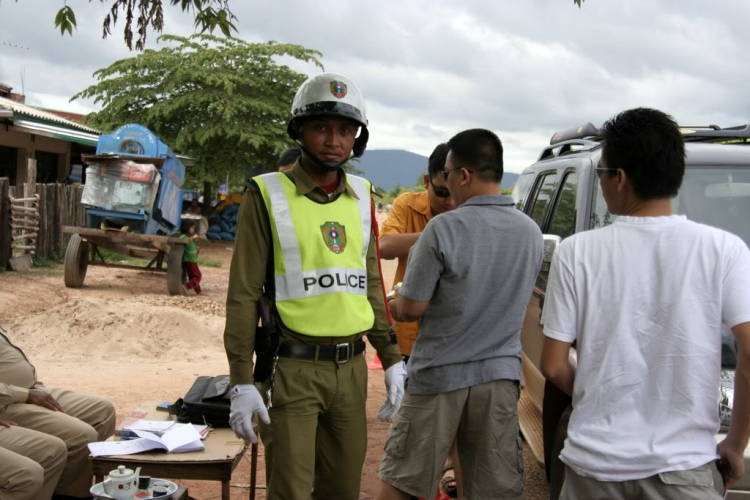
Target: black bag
[{"x": 207, "y": 402}]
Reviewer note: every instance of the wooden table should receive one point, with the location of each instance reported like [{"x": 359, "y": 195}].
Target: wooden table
[{"x": 222, "y": 455}]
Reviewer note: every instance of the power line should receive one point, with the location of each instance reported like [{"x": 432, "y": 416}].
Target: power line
[{"x": 14, "y": 45}]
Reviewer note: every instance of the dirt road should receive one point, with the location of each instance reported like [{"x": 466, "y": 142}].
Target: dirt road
[{"x": 123, "y": 337}]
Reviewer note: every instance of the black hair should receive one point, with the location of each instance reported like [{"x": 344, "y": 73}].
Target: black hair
[
  {"x": 288, "y": 157},
  {"x": 648, "y": 146},
  {"x": 480, "y": 151},
  {"x": 185, "y": 225},
  {"x": 436, "y": 164}
]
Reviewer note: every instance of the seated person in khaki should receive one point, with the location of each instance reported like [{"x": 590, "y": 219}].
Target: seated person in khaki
[
  {"x": 31, "y": 463},
  {"x": 43, "y": 417}
]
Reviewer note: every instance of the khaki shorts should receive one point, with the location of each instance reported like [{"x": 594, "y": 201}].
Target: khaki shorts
[
  {"x": 701, "y": 483},
  {"x": 483, "y": 420}
]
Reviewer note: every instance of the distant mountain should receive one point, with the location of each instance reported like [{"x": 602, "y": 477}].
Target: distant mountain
[{"x": 388, "y": 168}]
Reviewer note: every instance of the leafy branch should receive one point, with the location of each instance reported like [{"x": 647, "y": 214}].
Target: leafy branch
[{"x": 146, "y": 15}]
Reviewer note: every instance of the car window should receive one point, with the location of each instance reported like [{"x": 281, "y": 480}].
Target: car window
[
  {"x": 521, "y": 189},
  {"x": 542, "y": 194},
  {"x": 563, "y": 222},
  {"x": 719, "y": 197}
]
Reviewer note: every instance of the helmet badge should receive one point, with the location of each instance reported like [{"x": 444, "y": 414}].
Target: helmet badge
[
  {"x": 338, "y": 89},
  {"x": 334, "y": 236}
]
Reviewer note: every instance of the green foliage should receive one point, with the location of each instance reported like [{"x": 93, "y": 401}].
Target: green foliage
[
  {"x": 222, "y": 101},
  {"x": 390, "y": 196},
  {"x": 111, "y": 257},
  {"x": 149, "y": 15},
  {"x": 53, "y": 260},
  {"x": 208, "y": 262},
  {"x": 579, "y": 3},
  {"x": 66, "y": 20}
]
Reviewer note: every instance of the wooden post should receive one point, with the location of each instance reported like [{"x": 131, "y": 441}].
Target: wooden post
[
  {"x": 4, "y": 223},
  {"x": 27, "y": 210}
]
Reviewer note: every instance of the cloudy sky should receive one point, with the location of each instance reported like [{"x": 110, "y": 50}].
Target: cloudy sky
[{"x": 430, "y": 68}]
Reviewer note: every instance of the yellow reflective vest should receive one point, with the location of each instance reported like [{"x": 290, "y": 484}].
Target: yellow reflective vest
[{"x": 319, "y": 257}]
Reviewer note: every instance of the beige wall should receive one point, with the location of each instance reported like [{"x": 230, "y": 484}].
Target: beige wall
[{"x": 27, "y": 144}]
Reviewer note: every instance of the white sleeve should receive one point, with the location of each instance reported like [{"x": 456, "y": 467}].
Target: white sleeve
[
  {"x": 735, "y": 303},
  {"x": 560, "y": 313}
]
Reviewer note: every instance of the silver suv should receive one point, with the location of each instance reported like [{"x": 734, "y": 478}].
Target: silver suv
[{"x": 561, "y": 193}]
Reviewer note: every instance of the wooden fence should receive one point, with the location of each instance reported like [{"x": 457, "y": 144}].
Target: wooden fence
[{"x": 59, "y": 205}]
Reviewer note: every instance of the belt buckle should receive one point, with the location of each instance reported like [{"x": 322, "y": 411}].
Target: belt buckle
[{"x": 347, "y": 353}]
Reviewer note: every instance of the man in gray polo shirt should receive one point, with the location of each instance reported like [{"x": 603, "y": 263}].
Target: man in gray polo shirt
[{"x": 469, "y": 278}]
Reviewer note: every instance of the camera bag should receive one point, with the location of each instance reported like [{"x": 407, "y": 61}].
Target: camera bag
[{"x": 207, "y": 402}]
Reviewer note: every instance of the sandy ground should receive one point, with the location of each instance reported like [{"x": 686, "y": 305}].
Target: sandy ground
[{"x": 121, "y": 336}]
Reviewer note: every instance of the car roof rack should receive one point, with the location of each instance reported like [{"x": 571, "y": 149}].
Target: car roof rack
[
  {"x": 568, "y": 147},
  {"x": 714, "y": 133},
  {"x": 572, "y": 140},
  {"x": 582, "y": 132}
]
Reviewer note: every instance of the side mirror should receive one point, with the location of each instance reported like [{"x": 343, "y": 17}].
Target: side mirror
[{"x": 551, "y": 241}]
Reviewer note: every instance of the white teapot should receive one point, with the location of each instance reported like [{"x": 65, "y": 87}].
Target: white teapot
[{"x": 122, "y": 483}]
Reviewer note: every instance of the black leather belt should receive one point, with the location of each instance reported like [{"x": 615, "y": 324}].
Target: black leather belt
[{"x": 339, "y": 354}]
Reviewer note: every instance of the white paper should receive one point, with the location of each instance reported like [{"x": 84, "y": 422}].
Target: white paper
[
  {"x": 178, "y": 440},
  {"x": 155, "y": 426},
  {"x": 129, "y": 447},
  {"x": 182, "y": 439},
  {"x": 201, "y": 429}
]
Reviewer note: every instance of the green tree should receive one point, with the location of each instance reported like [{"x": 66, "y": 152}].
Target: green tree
[
  {"x": 222, "y": 101},
  {"x": 148, "y": 15}
]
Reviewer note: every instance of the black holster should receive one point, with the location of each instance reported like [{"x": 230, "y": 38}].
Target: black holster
[{"x": 266, "y": 342}]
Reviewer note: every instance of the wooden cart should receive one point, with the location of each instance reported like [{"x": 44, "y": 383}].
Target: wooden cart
[{"x": 83, "y": 251}]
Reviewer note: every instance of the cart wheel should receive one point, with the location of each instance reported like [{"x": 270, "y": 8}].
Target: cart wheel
[
  {"x": 76, "y": 261},
  {"x": 174, "y": 269}
]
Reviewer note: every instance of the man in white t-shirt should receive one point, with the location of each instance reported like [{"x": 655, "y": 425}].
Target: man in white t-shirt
[{"x": 644, "y": 300}]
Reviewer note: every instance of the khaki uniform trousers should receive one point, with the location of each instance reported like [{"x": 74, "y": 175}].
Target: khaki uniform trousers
[
  {"x": 31, "y": 464},
  {"x": 87, "y": 419},
  {"x": 702, "y": 483},
  {"x": 317, "y": 440}
]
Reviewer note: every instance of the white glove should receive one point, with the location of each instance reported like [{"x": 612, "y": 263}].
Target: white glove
[
  {"x": 246, "y": 402},
  {"x": 387, "y": 411},
  {"x": 394, "y": 384}
]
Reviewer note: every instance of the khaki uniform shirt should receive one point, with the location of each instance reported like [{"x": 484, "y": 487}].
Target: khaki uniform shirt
[
  {"x": 17, "y": 374},
  {"x": 247, "y": 276},
  {"x": 410, "y": 214}
]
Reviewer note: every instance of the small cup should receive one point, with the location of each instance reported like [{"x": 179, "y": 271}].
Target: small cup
[
  {"x": 144, "y": 482},
  {"x": 159, "y": 491}
]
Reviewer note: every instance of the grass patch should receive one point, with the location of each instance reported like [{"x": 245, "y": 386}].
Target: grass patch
[
  {"x": 118, "y": 258},
  {"x": 208, "y": 262},
  {"x": 48, "y": 272},
  {"x": 53, "y": 260}
]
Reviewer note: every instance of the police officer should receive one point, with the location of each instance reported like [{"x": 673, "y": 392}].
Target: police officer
[{"x": 311, "y": 228}]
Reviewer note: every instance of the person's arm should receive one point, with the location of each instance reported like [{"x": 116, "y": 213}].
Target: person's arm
[
  {"x": 732, "y": 449},
  {"x": 397, "y": 246},
  {"x": 246, "y": 279},
  {"x": 406, "y": 310},
  {"x": 423, "y": 272},
  {"x": 556, "y": 366},
  {"x": 559, "y": 318},
  {"x": 379, "y": 336},
  {"x": 10, "y": 394},
  {"x": 395, "y": 242}
]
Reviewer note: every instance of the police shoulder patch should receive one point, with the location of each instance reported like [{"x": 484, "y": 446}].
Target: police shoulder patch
[{"x": 334, "y": 236}]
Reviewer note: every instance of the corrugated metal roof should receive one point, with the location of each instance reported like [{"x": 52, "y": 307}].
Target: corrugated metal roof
[{"x": 36, "y": 113}]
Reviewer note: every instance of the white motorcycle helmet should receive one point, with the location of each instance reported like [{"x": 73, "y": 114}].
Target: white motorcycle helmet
[{"x": 331, "y": 94}]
